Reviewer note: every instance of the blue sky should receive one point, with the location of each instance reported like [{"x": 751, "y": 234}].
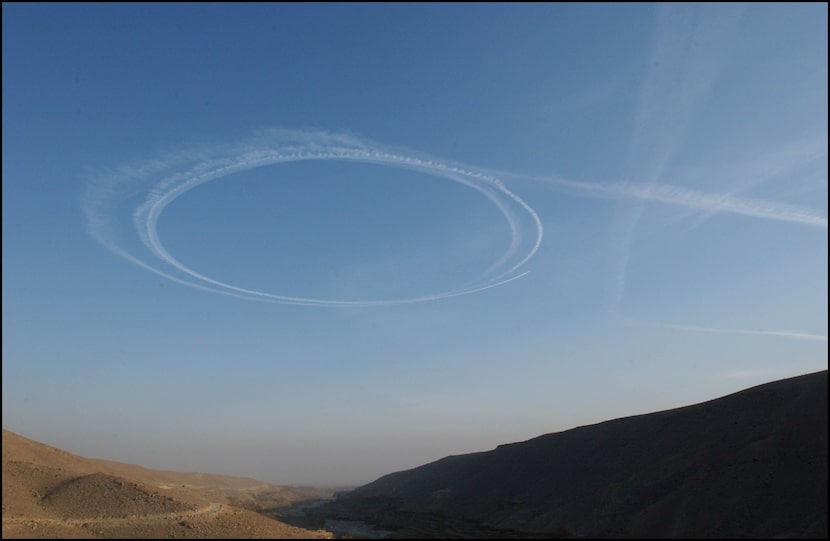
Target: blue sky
[{"x": 318, "y": 243}]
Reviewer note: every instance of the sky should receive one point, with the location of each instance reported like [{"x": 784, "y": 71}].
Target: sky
[{"x": 319, "y": 243}]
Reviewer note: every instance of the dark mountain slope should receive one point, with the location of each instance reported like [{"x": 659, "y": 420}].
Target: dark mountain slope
[{"x": 751, "y": 464}]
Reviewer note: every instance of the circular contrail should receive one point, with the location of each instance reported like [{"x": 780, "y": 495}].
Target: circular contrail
[{"x": 163, "y": 181}]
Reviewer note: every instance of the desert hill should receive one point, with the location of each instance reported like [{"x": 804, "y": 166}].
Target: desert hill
[
  {"x": 49, "y": 493},
  {"x": 750, "y": 464},
  {"x": 99, "y": 495}
]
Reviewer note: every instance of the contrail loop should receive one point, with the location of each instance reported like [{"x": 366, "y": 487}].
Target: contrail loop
[
  {"x": 302, "y": 146},
  {"x": 164, "y": 180}
]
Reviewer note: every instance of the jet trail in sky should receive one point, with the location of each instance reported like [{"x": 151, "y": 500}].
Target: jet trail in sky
[
  {"x": 150, "y": 187},
  {"x": 283, "y": 146}
]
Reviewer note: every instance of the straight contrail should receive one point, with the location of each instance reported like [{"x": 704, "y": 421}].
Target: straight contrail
[
  {"x": 796, "y": 335},
  {"x": 684, "y": 197},
  {"x": 687, "y": 51}
]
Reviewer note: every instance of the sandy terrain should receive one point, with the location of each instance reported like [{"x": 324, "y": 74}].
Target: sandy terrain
[{"x": 49, "y": 493}]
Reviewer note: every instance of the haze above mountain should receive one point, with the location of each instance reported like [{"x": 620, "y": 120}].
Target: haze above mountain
[{"x": 750, "y": 464}]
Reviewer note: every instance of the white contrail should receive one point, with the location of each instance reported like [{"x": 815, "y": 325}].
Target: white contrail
[
  {"x": 273, "y": 147},
  {"x": 676, "y": 195},
  {"x": 683, "y": 197},
  {"x": 147, "y": 216},
  {"x": 759, "y": 169},
  {"x": 161, "y": 181},
  {"x": 687, "y": 51},
  {"x": 797, "y": 335}
]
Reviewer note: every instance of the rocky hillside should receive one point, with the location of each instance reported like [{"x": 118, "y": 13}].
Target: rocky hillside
[
  {"x": 750, "y": 464},
  {"x": 49, "y": 493}
]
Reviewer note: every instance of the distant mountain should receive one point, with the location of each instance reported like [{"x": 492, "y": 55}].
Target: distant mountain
[{"x": 750, "y": 464}]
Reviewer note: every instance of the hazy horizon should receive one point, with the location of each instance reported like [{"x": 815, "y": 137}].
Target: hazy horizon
[{"x": 314, "y": 244}]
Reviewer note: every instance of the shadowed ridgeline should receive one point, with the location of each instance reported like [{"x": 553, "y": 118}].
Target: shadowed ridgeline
[{"x": 750, "y": 464}]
